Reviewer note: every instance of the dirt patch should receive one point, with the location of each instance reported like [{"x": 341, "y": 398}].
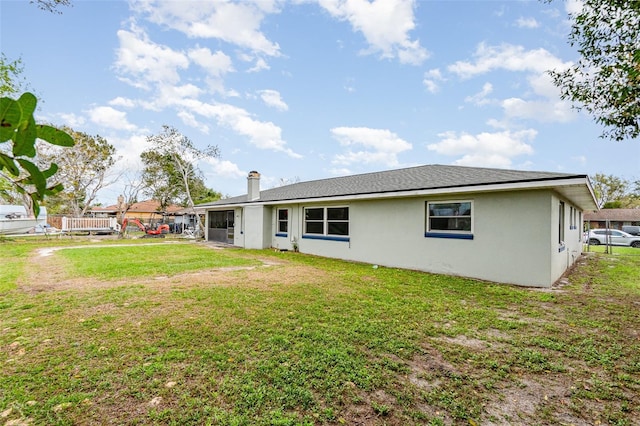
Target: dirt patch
[
  {"x": 523, "y": 403},
  {"x": 46, "y": 272}
]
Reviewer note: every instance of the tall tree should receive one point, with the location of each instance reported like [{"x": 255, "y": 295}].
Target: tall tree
[
  {"x": 609, "y": 189},
  {"x": 606, "y": 79},
  {"x": 84, "y": 169},
  {"x": 160, "y": 178},
  {"x": 173, "y": 160},
  {"x": 18, "y": 135},
  {"x": 201, "y": 194}
]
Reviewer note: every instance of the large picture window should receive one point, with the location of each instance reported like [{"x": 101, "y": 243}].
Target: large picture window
[
  {"x": 449, "y": 217},
  {"x": 326, "y": 221}
]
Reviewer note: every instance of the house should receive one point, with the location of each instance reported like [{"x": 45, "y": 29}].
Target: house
[
  {"x": 147, "y": 211},
  {"x": 506, "y": 226},
  {"x": 616, "y": 218}
]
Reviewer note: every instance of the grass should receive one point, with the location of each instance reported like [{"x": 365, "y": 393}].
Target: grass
[{"x": 162, "y": 335}]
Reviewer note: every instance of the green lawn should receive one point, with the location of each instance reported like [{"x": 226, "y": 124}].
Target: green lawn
[{"x": 185, "y": 334}]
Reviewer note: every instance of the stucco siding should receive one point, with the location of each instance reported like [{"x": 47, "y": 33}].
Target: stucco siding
[
  {"x": 257, "y": 221},
  {"x": 239, "y": 224},
  {"x": 565, "y": 255},
  {"x": 511, "y": 237}
]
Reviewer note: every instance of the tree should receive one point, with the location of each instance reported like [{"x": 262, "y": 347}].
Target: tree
[
  {"x": 606, "y": 79},
  {"x": 160, "y": 179},
  {"x": 128, "y": 197},
  {"x": 51, "y": 5},
  {"x": 614, "y": 192},
  {"x": 172, "y": 162},
  {"x": 18, "y": 135},
  {"x": 84, "y": 169},
  {"x": 11, "y": 80}
]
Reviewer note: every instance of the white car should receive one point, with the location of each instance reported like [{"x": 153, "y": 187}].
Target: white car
[{"x": 612, "y": 237}]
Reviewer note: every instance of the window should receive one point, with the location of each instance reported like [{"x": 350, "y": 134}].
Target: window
[
  {"x": 449, "y": 219},
  {"x": 581, "y": 225},
  {"x": 283, "y": 222},
  {"x": 326, "y": 221},
  {"x": 561, "y": 225},
  {"x": 314, "y": 221},
  {"x": 572, "y": 218},
  {"x": 338, "y": 220}
]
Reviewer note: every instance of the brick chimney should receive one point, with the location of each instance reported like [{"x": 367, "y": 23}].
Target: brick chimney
[{"x": 253, "y": 186}]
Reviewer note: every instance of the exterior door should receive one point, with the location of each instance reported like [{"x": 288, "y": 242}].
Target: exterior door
[{"x": 221, "y": 226}]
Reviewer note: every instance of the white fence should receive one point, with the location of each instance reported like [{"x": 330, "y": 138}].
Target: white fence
[{"x": 90, "y": 224}]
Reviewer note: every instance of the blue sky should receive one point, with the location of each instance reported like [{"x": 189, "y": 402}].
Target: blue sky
[{"x": 309, "y": 89}]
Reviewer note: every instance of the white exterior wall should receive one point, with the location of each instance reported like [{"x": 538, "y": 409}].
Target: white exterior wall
[
  {"x": 238, "y": 224},
  {"x": 514, "y": 237},
  {"x": 565, "y": 255},
  {"x": 257, "y": 227}
]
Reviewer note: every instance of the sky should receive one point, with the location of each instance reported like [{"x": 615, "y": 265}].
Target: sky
[{"x": 309, "y": 89}]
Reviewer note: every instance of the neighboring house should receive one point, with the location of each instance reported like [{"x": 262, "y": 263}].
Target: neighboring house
[
  {"x": 616, "y": 218},
  {"x": 186, "y": 219},
  {"x": 147, "y": 211},
  {"x": 505, "y": 226}
]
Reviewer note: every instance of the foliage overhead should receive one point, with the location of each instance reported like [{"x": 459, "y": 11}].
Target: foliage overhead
[
  {"x": 606, "y": 79},
  {"x": 18, "y": 135}
]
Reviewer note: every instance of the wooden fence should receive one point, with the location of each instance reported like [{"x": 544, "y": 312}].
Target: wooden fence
[{"x": 89, "y": 224}]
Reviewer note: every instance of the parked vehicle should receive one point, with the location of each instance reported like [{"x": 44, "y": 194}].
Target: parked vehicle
[
  {"x": 631, "y": 229},
  {"x": 612, "y": 237}
]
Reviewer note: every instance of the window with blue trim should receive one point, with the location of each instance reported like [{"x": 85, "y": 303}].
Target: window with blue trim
[
  {"x": 449, "y": 219},
  {"x": 326, "y": 221}
]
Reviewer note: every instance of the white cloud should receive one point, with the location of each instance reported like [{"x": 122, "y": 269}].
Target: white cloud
[
  {"x": 431, "y": 79},
  {"x": 122, "y": 102},
  {"x": 215, "y": 64},
  {"x": 170, "y": 95},
  {"x": 542, "y": 103},
  {"x": 546, "y": 111},
  {"x": 72, "y": 120},
  {"x": 190, "y": 120},
  {"x": 237, "y": 23},
  {"x": 225, "y": 168},
  {"x": 485, "y": 149},
  {"x": 574, "y": 6},
  {"x": 260, "y": 65},
  {"x": 507, "y": 57},
  {"x": 380, "y": 146},
  {"x": 130, "y": 149},
  {"x": 110, "y": 118},
  {"x": 480, "y": 98},
  {"x": 385, "y": 24},
  {"x": 273, "y": 99},
  {"x": 527, "y": 23},
  {"x": 262, "y": 134},
  {"x": 146, "y": 61}
]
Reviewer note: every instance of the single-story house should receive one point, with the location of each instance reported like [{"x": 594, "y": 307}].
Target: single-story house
[
  {"x": 507, "y": 226},
  {"x": 615, "y": 218}
]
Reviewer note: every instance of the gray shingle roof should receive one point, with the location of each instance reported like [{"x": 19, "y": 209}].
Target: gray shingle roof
[
  {"x": 623, "y": 215},
  {"x": 399, "y": 180}
]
